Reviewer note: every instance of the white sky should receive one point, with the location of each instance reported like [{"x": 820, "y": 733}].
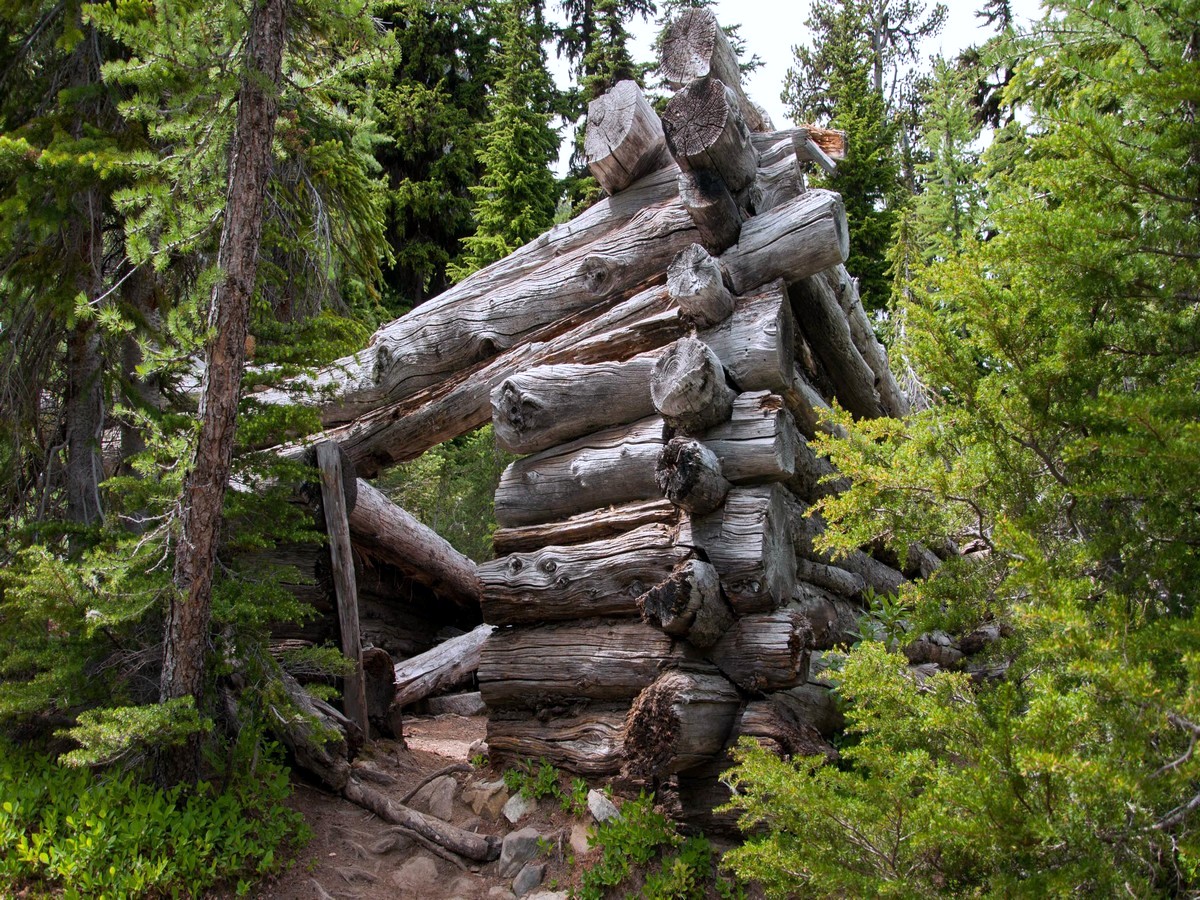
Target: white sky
[{"x": 772, "y": 27}]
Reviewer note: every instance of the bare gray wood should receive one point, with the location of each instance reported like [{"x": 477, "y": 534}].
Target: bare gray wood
[
  {"x": 321, "y": 740},
  {"x": 404, "y": 430},
  {"x": 814, "y": 704},
  {"x": 443, "y": 336},
  {"x": 467, "y": 844},
  {"x": 713, "y": 209},
  {"x": 689, "y": 475},
  {"x": 547, "y": 405},
  {"x": 756, "y": 344},
  {"x": 561, "y": 583},
  {"x": 688, "y": 604},
  {"x": 688, "y": 387},
  {"x": 706, "y": 132},
  {"x": 814, "y": 475},
  {"x": 448, "y": 665},
  {"x": 589, "y": 742},
  {"x": 807, "y": 526},
  {"x": 793, "y": 241},
  {"x": 549, "y": 665},
  {"x": 806, "y": 404},
  {"x": 833, "y": 143},
  {"x": 610, "y": 467},
  {"x": 589, "y": 526},
  {"x": 679, "y": 723},
  {"x": 845, "y": 288},
  {"x": 831, "y": 578},
  {"x": 777, "y": 184},
  {"x": 379, "y": 675},
  {"x": 758, "y": 442},
  {"x": 393, "y": 535},
  {"x": 828, "y": 331},
  {"x": 748, "y": 540},
  {"x": 624, "y": 137},
  {"x": 337, "y": 529},
  {"x": 765, "y": 652},
  {"x": 694, "y": 46},
  {"x": 695, "y": 285},
  {"x": 776, "y": 726}
]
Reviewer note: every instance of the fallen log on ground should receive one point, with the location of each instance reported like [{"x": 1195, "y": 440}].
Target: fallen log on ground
[{"x": 467, "y": 844}]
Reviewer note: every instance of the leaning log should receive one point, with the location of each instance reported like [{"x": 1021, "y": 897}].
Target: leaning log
[
  {"x": 609, "y": 467},
  {"x": 758, "y": 442},
  {"x": 830, "y": 578},
  {"x": 695, "y": 285},
  {"x": 594, "y": 525},
  {"x": 624, "y": 137},
  {"x": 793, "y": 241},
  {"x": 679, "y": 722},
  {"x": 587, "y": 741},
  {"x": 321, "y": 739},
  {"x": 467, "y": 844},
  {"x": 552, "y": 665},
  {"x": 749, "y": 542},
  {"x": 394, "y": 536},
  {"x": 446, "y": 666},
  {"x": 766, "y": 652},
  {"x": 688, "y": 604},
  {"x": 599, "y": 578},
  {"x": 689, "y": 475},
  {"x": 694, "y": 46},
  {"x": 828, "y": 331},
  {"x": 688, "y": 387},
  {"x": 706, "y": 133},
  {"x": 712, "y": 208},
  {"x": 548, "y": 405}
]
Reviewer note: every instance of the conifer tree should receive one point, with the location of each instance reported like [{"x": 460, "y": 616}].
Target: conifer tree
[{"x": 517, "y": 194}]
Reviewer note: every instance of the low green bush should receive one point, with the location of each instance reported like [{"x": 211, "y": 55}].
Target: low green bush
[{"x": 64, "y": 828}]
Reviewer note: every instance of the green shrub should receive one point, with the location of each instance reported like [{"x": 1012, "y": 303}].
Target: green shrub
[{"x": 65, "y": 828}]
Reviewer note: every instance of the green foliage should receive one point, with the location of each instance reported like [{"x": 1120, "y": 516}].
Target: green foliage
[
  {"x": 62, "y": 829},
  {"x": 452, "y": 489},
  {"x": 1057, "y": 345},
  {"x": 642, "y": 852},
  {"x": 534, "y": 782}
]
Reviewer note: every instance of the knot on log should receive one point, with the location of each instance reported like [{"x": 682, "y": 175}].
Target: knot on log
[{"x": 599, "y": 273}]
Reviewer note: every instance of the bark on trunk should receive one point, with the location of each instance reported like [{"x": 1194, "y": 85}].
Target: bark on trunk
[
  {"x": 84, "y": 417},
  {"x": 186, "y": 636},
  {"x": 624, "y": 137}
]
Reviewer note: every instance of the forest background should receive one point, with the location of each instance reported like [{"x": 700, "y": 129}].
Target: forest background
[{"x": 191, "y": 180}]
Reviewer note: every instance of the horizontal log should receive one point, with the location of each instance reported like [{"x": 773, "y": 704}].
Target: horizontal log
[
  {"x": 599, "y": 578},
  {"x": 793, "y": 241},
  {"x": 689, "y": 476},
  {"x": 588, "y": 742},
  {"x": 688, "y": 387},
  {"x": 394, "y": 536},
  {"x": 814, "y": 704},
  {"x": 759, "y": 442},
  {"x": 814, "y": 476},
  {"x": 446, "y": 666},
  {"x": 830, "y": 578},
  {"x": 806, "y": 527},
  {"x": 593, "y": 525},
  {"x": 679, "y": 722},
  {"x": 624, "y": 137},
  {"x": 610, "y": 467},
  {"x": 833, "y": 617},
  {"x": 706, "y": 132},
  {"x": 694, "y": 46},
  {"x": 688, "y": 604},
  {"x": 695, "y": 285},
  {"x": 831, "y": 142},
  {"x": 756, "y": 343},
  {"x": 553, "y": 665},
  {"x": 765, "y": 652},
  {"x": 815, "y": 305},
  {"x": 548, "y": 405},
  {"x": 776, "y": 726},
  {"x": 749, "y": 542}
]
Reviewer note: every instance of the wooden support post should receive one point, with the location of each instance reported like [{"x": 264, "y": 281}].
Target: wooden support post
[{"x": 337, "y": 527}]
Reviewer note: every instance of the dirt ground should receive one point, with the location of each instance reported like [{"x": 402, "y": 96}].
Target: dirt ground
[{"x": 354, "y": 854}]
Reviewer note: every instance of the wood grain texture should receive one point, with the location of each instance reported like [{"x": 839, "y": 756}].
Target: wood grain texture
[
  {"x": 695, "y": 285},
  {"x": 759, "y": 441},
  {"x": 448, "y": 665},
  {"x": 687, "y": 386},
  {"x": 589, "y": 526},
  {"x": 589, "y": 741},
  {"x": 765, "y": 652},
  {"x": 624, "y": 137},
  {"x": 706, "y": 132},
  {"x": 712, "y": 208},
  {"x": 689, "y": 475},
  {"x": 679, "y": 722},
  {"x": 688, "y": 604}
]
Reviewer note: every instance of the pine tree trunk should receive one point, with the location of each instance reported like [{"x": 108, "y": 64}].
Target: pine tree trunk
[{"x": 185, "y": 642}]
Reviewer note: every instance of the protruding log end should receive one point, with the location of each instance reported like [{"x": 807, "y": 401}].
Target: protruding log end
[
  {"x": 766, "y": 652},
  {"x": 688, "y": 387},
  {"x": 624, "y": 138},
  {"x": 688, "y": 604},
  {"x": 679, "y": 722},
  {"x": 689, "y": 475},
  {"x": 706, "y": 132},
  {"x": 694, "y": 283},
  {"x": 713, "y": 210}
]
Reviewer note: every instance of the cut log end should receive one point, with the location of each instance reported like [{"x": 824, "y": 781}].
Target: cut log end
[
  {"x": 689, "y": 475},
  {"x": 624, "y": 138},
  {"x": 688, "y": 387},
  {"x": 688, "y": 604},
  {"x": 695, "y": 284}
]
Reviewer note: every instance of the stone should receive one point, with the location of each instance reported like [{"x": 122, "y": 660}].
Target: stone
[
  {"x": 466, "y": 887},
  {"x": 486, "y": 798},
  {"x": 456, "y": 704},
  {"x": 436, "y": 798},
  {"x": 415, "y": 876},
  {"x": 601, "y": 808},
  {"x": 500, "y": 893},
  {"x": 548, "y": 895},
  {"x": 518, "y": 848},
  {"x": 579, "y": 839},
  {"x": 528, "y": 878},
  {"x": 518, "y": 807}
]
